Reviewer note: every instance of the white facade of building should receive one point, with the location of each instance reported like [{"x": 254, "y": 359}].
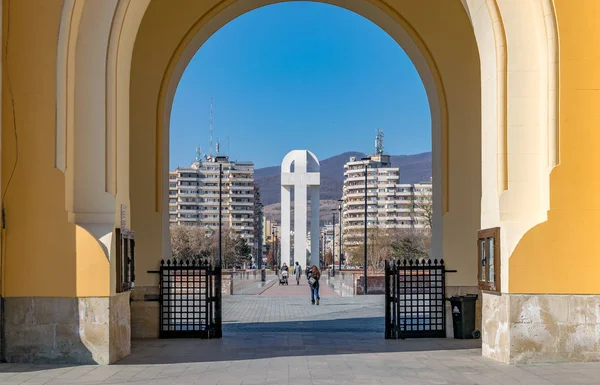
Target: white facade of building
[
  {"x": 390, "y": 204},
  {"x": 194, "y": 196}
]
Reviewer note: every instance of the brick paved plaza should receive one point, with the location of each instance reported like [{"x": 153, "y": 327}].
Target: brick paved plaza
[{"x": 280, "y": 338}]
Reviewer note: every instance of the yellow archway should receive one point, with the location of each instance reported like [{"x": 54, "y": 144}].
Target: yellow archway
[{"x": 91, "y": 114}]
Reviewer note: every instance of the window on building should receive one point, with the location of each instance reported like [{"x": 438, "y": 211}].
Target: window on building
[
  {"x": 488, "y": 258},
  {"x": 125, "y": 260}
]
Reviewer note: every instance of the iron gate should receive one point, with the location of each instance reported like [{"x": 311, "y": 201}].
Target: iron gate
[
  {"x": 190, "y": 300},
  {"x": 415, "y": 299}
]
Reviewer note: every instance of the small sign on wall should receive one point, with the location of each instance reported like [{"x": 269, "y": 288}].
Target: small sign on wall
[{"x": 124, "y": 217}]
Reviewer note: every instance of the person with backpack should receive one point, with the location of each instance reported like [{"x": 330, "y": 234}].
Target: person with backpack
[{"x": 313, "y": 275}]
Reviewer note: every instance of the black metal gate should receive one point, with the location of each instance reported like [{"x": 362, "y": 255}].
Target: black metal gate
[
  {"x": 415, "y": 299},
  {"x": 190, "y": 300}
]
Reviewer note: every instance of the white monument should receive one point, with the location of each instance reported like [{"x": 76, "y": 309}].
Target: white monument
[{"x": 300, "y": 170}]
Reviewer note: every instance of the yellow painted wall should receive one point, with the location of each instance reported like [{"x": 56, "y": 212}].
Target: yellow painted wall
[
  {"x": 42, "y": 252},
  {"x": 562, "y": 255}
]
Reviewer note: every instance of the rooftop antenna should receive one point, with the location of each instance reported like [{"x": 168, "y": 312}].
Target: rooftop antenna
[
  {"x": 379, "y": 142},
  {"x": 198, "y": 154},
  {"x": 211, "y": 119},
  {"x": 218, "y": 146}
]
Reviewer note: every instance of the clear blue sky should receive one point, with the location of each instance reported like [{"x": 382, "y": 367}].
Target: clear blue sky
[{"x": 299, "y": 76}]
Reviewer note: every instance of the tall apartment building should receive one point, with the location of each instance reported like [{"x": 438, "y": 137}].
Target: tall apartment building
[
  {"x": 194, "y": 197},
  {"x": 390, "y": 205}
]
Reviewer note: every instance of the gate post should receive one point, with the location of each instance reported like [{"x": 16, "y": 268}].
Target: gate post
[
  {"x": 218, "y": 304},
  {"x": 387, "y": 301}
]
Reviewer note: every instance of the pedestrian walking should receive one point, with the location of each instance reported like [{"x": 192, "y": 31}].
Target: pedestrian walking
[
  {"x": 297, "y": 272},
  {"x": 284, "y": 274},
  {"x": 313, "y": 275}
]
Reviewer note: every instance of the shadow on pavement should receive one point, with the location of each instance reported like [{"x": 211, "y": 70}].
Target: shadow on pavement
[{"x": 288, "y": 339}]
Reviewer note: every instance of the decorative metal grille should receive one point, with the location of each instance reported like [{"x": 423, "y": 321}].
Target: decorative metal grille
[
  {"x": 190, "y": 300},
  {"x": 415, "y": 299}
]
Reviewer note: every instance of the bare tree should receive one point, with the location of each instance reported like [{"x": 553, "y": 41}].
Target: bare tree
[
  {"x": 385, "y": 244},
  {"x": 423, "y": 206},
  {"x": 420, "y": 238},
  {"x": 328, "y": 257},
  {"x": 180, "y": 244},
  {"x": 378, "y": 248},
  {"x": 198, "y": 243},
  {"x": 270, "y": 257}
]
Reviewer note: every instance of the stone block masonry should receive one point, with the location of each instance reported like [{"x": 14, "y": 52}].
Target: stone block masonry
[
  {"x": 520, "y": 328},
  {"x": 93, "y": 330}
]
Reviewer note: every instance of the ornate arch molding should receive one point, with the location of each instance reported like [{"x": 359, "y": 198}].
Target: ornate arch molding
[
  {"x": 378, "y": 12},
  {"x": 549, "y": 14},
  {"x": 490, "y": 35},
  {"x": 524, "y": 138},
  {"x": 93, "y": 60},
  {"x": 84, "y": 144}
]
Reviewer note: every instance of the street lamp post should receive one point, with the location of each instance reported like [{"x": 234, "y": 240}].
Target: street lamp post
[
  {"x": 341, "y": 243},
  {"x": 322, "y": 250},
  {"x": 273, "y": 249},
  {"x": 218, "y": 270},
  {"x": 333, "y": 248},
  {"x": 365, "y": 235},
  {"x": 220, "y": 214},
  {"x": 277, "y": 256}
]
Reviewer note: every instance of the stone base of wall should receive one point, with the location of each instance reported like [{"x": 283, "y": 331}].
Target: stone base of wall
[
  {"x": 120, "y": 327},
  {"x": 67, "y": 330},
  {"x": 144, "y": 312},
  {"x": 520, "y": 328},
  {"x": 343, "y": 283},
  {"x": 2, "y": 359},
  {"x": 375, "y": 284}
]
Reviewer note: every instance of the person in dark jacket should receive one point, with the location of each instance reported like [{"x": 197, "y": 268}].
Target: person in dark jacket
[
  {"x": 298, "y": 272},
  {"x": 313, "y": 275}
]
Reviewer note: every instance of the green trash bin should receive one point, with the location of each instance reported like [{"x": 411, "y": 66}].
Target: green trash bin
[{"x": 463, "y": 316}]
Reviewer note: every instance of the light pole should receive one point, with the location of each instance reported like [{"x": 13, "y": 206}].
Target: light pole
[
  {"x": 273, "y": 249},
  {"x": 220, "y": 214},
  {"x": 341, "y": 243},
  {"x": 276, "y": 255},
  {"x": 218, "y": 270},
  {"x": 365, "y": 235},
  {"x": 333, "y": 247},
  {"x": 321, "y": 250}
]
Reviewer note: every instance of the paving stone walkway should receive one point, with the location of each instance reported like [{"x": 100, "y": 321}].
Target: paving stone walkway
[
  {"x": 286, "y": 341},
  {"x": 292, "y": 289}
]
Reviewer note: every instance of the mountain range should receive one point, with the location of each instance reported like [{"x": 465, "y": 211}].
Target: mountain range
[{"x": 413, "y": 169}]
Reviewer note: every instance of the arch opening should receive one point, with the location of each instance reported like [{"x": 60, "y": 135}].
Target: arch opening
[{"x": 157, "y": 68}]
